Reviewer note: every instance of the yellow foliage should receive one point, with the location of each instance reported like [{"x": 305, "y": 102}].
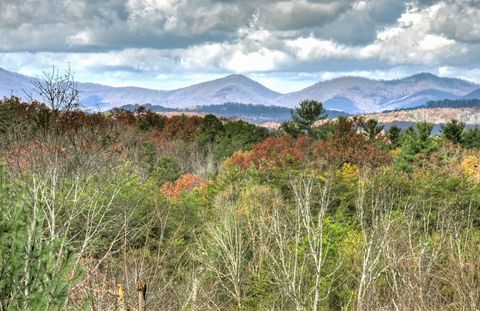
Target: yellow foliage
[
  {"x": 471, "y": 167},
  {"x": 348, "y": 172}
]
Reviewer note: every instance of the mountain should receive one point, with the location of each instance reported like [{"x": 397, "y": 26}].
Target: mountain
[
  {"x": 232, "y": 88},
  {"x": 92, "y": 95},
  {"x": 376, "y": 95},
  {"x": 348, "y": 94},
  {"x": 247, "y": 112},
  {"x": 472, "y": 95},
  {"x": 13, "y": 84},
  {"x": 421, "y": 98}
]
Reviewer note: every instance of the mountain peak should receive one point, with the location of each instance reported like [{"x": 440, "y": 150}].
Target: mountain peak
[
  {"x": 238, "y": 78},
  {"x": 423, "y": 76}
]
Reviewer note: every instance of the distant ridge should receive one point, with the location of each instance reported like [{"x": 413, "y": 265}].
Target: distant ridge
[
  {"x": 347, "y": 94},
  {"x": 376, "y": 95},
  {"x": 472, "y": 95},
  {"x": 247, "y": 112}
]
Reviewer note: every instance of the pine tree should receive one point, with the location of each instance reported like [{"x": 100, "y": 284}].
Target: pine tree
[
  {"x": 453, "y": 131},
  {"x": 371, "y": 128},
  {"x": 34, "y": 273},
  {"x": 416, "y": 144},
  {"x": 304, "y": 117},
  {"x": 471, "y": 138},
  {"x": 394, "y": 135}
]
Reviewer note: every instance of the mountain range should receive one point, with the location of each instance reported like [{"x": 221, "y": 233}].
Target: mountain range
[{"x": 347, "y": 94}]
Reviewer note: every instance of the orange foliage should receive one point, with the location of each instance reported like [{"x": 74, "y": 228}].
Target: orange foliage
[
  {"x": 358, "y": 152},
  {"x": 181, "y": 127},
  {"x": 185, "y": 183},
  {"x": 348, "y": 145},
  {"x": 272, "y": 152}
]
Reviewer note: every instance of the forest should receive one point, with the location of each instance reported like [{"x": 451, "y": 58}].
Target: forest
[{"x": 132, "y": 210}]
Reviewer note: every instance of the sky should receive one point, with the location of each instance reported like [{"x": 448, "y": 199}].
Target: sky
[{"x": 286, "y": 45}]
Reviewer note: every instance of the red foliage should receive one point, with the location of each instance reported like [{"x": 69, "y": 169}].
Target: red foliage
[
  {"x": 181, "y": 127},
  {"x": 272, "y": 152},
  {"x": 123, "y": 116},
  {"x": 348, "y": 145},
  {"x": 185, "y": 183}
]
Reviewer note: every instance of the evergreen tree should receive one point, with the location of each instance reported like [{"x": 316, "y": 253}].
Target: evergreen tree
[
  {"x": 166, "y": 169},
  {"x": 371, "y": 128},
  {"x": 417, "y": 143},
  {"x": 304, "y": 117},
  {"x": 209, "y": 129},
  {"x": 453, "y": 131},
  {"x": 237, "y": 135},
  {"x": 471, "y": 138},
  {"x": 35, "y": 272},
  {"x": 394, "y": 135}
]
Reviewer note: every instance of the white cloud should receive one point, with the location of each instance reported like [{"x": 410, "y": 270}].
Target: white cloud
[
  {"x": 144, "y": 39},
  {"x": 310, "y": 48}
]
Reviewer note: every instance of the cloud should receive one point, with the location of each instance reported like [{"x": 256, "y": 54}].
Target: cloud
[{"x": 144, "y": 39}]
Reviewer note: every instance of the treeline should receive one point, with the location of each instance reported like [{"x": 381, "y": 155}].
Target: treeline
[
  {"x": 445, "y": 103},
  {"x": 454, "y": 103},
  {"x": 131, "y": 210},
  {"x": 248, "y": 112}
]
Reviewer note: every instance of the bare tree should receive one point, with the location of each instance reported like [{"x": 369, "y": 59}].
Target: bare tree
[
  {"x": 375, "y": 215},
  {"x": 226, "y": 241},
  {"x": 58, "y": 90},
  {"x": 293, "y": 261}
]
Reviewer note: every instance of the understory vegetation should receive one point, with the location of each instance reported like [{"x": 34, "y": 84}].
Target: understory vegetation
[{"x": 133, "y": 211}]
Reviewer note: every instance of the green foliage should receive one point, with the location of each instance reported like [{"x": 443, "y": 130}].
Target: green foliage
[
  {"x": 166, "y": 169},
  {"x": 371, "y": 128},
  {"x": 394, "y": 136},
  {"x": 245, "y": 235},
  {"x": 149, "y": 155},
  {"x": 237, "y": 135},
  {"x": 210, "y": 128},
  {"x": 453, "y": 131},
  {"x": 35, "y": 273},
  {"x": 471, "y": 138},
  {"x": 417, "y": 144},
  {"x": 303, "y": 118},
  {"x": 7, "y": 117},
  {"x": 454, "y": 103}
]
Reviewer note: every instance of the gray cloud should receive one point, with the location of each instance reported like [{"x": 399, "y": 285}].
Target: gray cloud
[
  {"x": 152, "y": 37},
  {"x": 360, "y": 24}
]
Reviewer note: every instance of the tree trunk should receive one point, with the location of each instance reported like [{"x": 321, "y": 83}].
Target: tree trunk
[{"x": 142, "y": 295}]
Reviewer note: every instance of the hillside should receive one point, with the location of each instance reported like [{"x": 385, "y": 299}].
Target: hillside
[
  {"x": 433, "y": 115},
  {"x": 472, "y": 95},
  {"x": 141, "y": 192}
]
